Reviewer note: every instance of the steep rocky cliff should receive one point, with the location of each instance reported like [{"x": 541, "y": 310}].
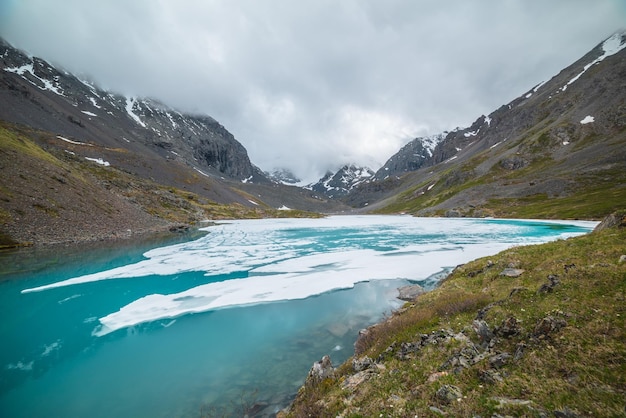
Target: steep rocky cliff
[{"x": 37, "y": 94}]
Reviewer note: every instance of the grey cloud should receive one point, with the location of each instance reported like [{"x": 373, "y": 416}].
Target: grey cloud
[{"x": 311, "y": 85}]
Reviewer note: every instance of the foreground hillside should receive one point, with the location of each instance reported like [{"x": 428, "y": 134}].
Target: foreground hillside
[{"x": 532, "y": 331}]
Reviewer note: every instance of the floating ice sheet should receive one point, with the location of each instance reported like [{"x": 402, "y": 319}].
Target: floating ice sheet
[{"x": 289, "y": 259}]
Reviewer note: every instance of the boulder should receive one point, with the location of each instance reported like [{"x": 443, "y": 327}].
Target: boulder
[
  {"x": 321, "y": 370},
  {"x": 513, "y": 163},
  {"x": 449, "y": 393},
  {"x": 547, "y": 326},
  {"x": 482, "y": 329},
  {"x": 452, "y": 213},
  {"x": 510, "y": 327},
  {"x": 565, "y": 413},
  {"x": 512, "y": 272},
  {"x": 361, "y": 363},
  {"x": 553, "y": 281},
  {"x": 614, "y": 220},
  {"x": 491, "y": 376},
  {"x": 499, "y": 360},
  {"x": 410, "y": 293},
  {"x": 355, "y": 380}
]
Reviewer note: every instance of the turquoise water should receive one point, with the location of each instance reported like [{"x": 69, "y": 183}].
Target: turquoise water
[{"x": 234, "y": 317}]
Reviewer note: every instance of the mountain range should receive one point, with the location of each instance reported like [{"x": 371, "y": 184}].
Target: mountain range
[{"x": 79, "y": 162}]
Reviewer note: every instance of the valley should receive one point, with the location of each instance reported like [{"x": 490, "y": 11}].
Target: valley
[{"x": 81, "y": 163}]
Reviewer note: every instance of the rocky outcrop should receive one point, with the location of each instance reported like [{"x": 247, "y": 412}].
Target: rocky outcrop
[
  {"x": 410, "y": 293},
  {"x": 614, "y": 220},
  {"x": 322, "y": 369}
]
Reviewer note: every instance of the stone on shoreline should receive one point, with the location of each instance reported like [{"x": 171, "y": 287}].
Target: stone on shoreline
[{"x": 410, "y": 293}]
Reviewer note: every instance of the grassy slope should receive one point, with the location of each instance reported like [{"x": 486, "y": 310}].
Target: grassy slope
[
  {"x": 593, "y": 172},
  {"x": 579, "y": 368}
]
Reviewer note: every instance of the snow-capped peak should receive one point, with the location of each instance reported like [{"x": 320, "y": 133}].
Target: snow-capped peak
[{"x": 343, "y": 181}]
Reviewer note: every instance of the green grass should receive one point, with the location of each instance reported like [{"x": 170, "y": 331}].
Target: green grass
[
  {"x": 581, "y": 367},
  {"x": 14, "y": 141},
  {"x": 590, "y": 203}
]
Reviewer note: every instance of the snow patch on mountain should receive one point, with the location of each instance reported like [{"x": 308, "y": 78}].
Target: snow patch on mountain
[
  {"x": 130, "y": 103},
  {"x": 98, "y": 161},
  {"x": 537, "y": 87},
  {"x": 611, "y": 46},
  {"x": 53, "y": 86},
  {"x": 587, "y": 119}
]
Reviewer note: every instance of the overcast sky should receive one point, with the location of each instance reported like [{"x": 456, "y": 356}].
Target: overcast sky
[{"x": 313, "y": 84}]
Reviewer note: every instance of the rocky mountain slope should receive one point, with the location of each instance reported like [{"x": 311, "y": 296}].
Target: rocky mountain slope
[
  {"x": 558, "y": 146},
  {"x": 411, "y": 157},
  {"x": 81, "y": 163},
  {"x": 36, "y": 94}
]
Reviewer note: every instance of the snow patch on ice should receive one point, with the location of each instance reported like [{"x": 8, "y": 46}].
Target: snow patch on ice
[
  {"x": 69, "y": 298},
  {"x": 20, "y": 366},
  {"x": 48, "y": 349}
]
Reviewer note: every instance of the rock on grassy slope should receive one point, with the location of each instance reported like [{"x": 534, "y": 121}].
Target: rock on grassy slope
[{"x": 548, "y": 341}]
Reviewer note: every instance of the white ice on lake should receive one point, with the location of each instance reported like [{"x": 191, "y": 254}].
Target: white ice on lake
[{"x": 286, "y": 259}]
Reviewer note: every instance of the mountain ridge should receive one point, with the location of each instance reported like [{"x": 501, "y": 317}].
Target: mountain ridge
[
  {"x": 534, "y": 147},
  {"x": 554, "y": 151},
  {"x": 80, "y": 163},
  {"x": 81, "y": 110}
]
